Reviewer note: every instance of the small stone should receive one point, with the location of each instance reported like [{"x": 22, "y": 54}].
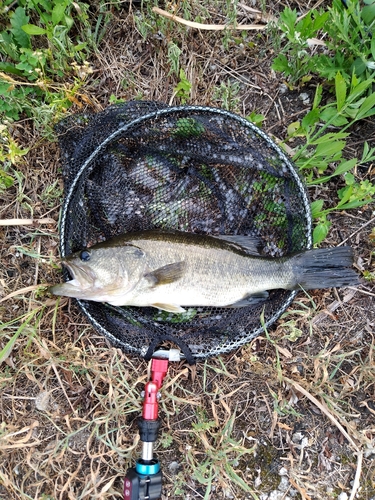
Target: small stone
[
  {"x": 284, "y": 484},
  {"x": 278, "y": 495},
  {"x": 297, "y": 437},
  {"x": 283, "y": 88},
  {"x": 173, "y": 467},
  {"x": 228, "y": 493},
  {"x": 342, "y": 496},
  {"x": 257, "y": 482},
  {"x": 42, "y": 401},
  {"x": 305, "y": 98},
  {"x": 283, "y": 471}
]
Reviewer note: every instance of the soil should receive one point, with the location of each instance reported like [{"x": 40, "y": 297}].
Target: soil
[{"x": 70, "y": 400}]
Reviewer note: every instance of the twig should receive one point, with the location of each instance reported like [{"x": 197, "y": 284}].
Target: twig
[
  {"x": 26, "y": 222},
  {"x": 359, "y": 290},
  {"x": 39, "y": 246},
  {"x": 62, "y": 387},
  {"x": 309, "y": 10},
  {"x": 257, "y": 14},
  {"x": 332, "y": 307},
  {"x": 212, "y": 27},
  {"x": 22, "y": 291},
  {"x": 357, "y": 476},
  {"x": 301, "y": 490},
  {"x": 357, "y": 231},
  {"x": 322, "y": 407},
  {"x": 220, "y": 27}
]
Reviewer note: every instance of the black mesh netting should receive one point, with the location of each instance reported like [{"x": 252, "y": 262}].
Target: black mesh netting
[{"x": 144, "y": 165}]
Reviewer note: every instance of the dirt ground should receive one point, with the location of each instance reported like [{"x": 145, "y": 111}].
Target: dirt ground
[{"x": 286, "y": 417}]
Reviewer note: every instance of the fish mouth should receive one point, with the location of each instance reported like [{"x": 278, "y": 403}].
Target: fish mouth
[{"x": 82, "y": 281}]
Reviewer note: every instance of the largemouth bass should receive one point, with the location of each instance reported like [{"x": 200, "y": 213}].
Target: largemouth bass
[{"x": 172, "y": 270}]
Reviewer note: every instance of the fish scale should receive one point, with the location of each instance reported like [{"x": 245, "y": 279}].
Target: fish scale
[{"x": 173, "y": 270}]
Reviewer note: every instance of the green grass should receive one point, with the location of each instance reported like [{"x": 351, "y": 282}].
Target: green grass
[{"x": 69, "y": 400}]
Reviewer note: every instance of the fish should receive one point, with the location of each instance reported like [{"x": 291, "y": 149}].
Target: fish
[{"x": 171, "y": 270}]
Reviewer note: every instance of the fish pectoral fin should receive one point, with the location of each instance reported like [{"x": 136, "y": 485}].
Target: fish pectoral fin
[
  {"x": 166, "y": 274},
  {"x": 173, "y": 308},
  {"x": 250, "y": 300}
]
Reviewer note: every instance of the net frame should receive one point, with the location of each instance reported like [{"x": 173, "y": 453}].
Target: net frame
[{"x": 165, "y": 112}]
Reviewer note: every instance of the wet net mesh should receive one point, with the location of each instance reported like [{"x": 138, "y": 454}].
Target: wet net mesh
[{"x": 144, "y": 165}]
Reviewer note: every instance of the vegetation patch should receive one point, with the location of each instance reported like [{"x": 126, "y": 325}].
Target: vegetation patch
[{"x": 291, "y": 414}]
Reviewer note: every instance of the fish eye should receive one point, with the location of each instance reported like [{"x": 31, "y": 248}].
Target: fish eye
[{"x": 85, "y": 255}]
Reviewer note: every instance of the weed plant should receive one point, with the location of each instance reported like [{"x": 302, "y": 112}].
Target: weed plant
[
  {"x": 43, "y": 57},
  {"x": 84, "y": 395},
  {"x": 347, "y": 30},
  {"x": 348, "y": 71}
]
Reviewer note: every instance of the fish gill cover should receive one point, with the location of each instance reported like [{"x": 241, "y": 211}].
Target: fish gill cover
[{"x": 144, "y": 165}]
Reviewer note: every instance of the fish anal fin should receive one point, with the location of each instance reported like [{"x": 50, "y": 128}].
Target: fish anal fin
[
  {"x": 172, "y": 308},
  {"x": 166, "y": 274},
  {"x": 250, "y": 300}
]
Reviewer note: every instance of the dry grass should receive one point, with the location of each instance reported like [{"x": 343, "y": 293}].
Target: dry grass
[{"x": 293, "y": 410}]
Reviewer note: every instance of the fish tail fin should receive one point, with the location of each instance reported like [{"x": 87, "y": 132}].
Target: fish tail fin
[{"x": 324, "y": 268}]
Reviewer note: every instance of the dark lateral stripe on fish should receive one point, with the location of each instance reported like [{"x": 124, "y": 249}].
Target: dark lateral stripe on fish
[{"x": 250, "y": 245}]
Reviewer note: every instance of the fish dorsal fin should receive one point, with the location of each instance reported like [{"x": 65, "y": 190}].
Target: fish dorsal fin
[
  {"x": 251, "y": 244},
  {"x": 166, "y": 274}
]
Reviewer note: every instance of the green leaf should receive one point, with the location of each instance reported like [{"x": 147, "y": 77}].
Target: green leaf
[
  {"x": 316, "y": 208},
  {"x": 289, "y": 18},
  {"x": 58, "y": 12},
  {"x": 8, "y": 45},
  {"x": 293, "y": 127},
  {"x": 344, "y": 195},
  {"x": 317, "y": 96},
  {"x": 349, "y": 179},
  {"x": 69, "y": 21},
  {"x": 359, "y": 66},
  {"x": 320, "y": 20},
  {"x": 330, "y": 137},
  {"x": 305, "y": 27},
  {"x": 17, "y": 20},
  {"x": 330, "y": 148},
  {"x": 358, "y": 88},
  {"x": 365, "y": 152},
  {"x": 340, "y": 88},
  {"x": 8, "y": 348},
  {"x": 368, "y": 13},
  {"x": 25, "y": 67},
  {"x": 343, "y": 167},
  {"x": 321, "y": 230},
  {"x": 281, "y": 64},
  {"x": 31, "y": 29},
  {"x": 6, "y": 181},
  {"x": 367, "y": 108},
  {"x": 79, "y": 46},
  {"x": 368, "y": 153},
  {"x": 354, "y": 204},
  {"x": 6, "y": 351},
  {"x": 330, "y": 115},
  {"x": 310, "y": 119},
  {"x": 10, "y": 68},
  {"x": 256, "y": 118}
]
